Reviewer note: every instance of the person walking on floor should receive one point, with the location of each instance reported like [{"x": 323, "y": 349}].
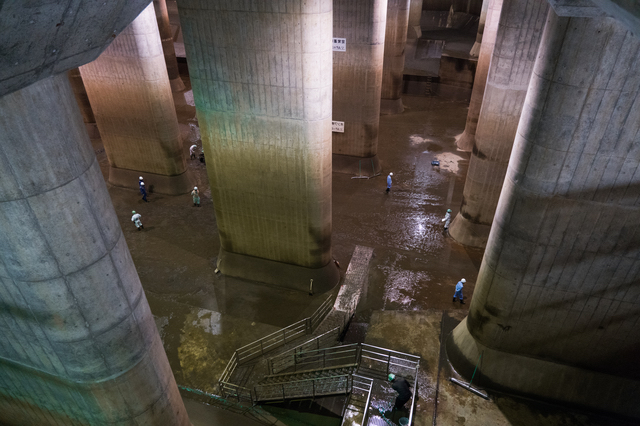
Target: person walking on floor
[
  {"x": 389, "y": 182},
  {"x": 458, "y": 292},
  {"x": 400, "y": 385},
  {"x": 447, "y": 219},
  {"x": 143, "y": 190},
  {"x": 192, "y": 151},
  {"x": 136, "y": 219},
  {"x": 196, "y": 196}
]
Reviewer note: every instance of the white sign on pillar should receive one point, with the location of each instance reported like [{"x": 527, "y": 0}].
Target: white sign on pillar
[
  {"x": 337, "y": 126},
  {"x": 339, "y": 44}
]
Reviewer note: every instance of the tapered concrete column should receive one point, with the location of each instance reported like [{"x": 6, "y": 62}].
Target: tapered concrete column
[
  {"x": 261, "y": 74},
  {"x": 79, "y": 344},
  {"x": 166, "y": 34},
  {"x": 415, "y": 14},
  {"x": 131, "y": 98},
  {"x": 519, "y": 33},
  {"x": 467, "y": 139},
  {"x": 475, "y": 49},
  {"x": 556, "y": 305},
  {"x": 357, "y": 82},
  {"x": 394, "y": 43}
]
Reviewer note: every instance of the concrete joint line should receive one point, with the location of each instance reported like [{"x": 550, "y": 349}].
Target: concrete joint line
[{"x": 48, "y": 190}]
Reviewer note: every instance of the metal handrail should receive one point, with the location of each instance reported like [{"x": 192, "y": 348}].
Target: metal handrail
[
  {"x": 250, "y": 351},
  {"x": 279, "y": 338},
  {"x": 367, "y": 385},
  {"x": 316, "y": 318},
  {"x": 279, "y": 362},
  {"x": 326, "y": 356},
  {"x": 303, "y": 391}
]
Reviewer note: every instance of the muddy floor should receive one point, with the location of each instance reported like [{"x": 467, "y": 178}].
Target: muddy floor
[{"x": 204, "y": 316}]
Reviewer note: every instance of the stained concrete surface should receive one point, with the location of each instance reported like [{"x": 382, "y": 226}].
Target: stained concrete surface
[{"x": 203, "y": 316}]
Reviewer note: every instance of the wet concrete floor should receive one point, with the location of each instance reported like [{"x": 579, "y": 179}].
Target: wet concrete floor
[{"x": 203, "y": 316}]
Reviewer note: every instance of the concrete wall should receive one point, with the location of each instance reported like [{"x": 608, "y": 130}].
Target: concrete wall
[
  {"x": 129, "y": 90},
  {"x": 79, "y": 344},
  {"x": 261, "y": 74},
  {"x": 560, "y": 279},
  {"x": 357, "y": 82}
]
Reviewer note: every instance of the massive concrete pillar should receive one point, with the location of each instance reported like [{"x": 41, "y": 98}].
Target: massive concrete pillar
[
  {"x": 519, "y": 33},
  {"x": 166, "y": 35},
  {"x": 357, "y": 82},
  {"x": 394, "y": 44},
  {"x": 467, "y": 139},
  {"x": 79, "y": 344},
  {"x": 475, "y": 49},
  {"x": 131, "y": 98},
  {"x": 415, "y": 15},
  {"x": 261, "y": 74},
  {"x": 556, "y": 307}
]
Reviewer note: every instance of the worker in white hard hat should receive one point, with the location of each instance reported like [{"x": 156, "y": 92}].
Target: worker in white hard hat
[
  {"x": 196, "y": 196},
  {"x": 458, "y": 292},
  {"x": 447, "y": 219},
  {"x": 143, "y": 190},
  {"x": 136, "y": 220},
  {"x": 389, "y": 181},
  {"x": 192, "y": 151},
  {"x": 400, "y": 385}
]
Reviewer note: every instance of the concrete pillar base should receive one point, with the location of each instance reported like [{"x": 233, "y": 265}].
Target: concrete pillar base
[
  {"x": 278, "y": 273},
  {"x": 541, "y": 379},
  {"x": 177, "y": 85},
  {"x": 170, "y": 185},
  {"x": 466, "y": 140},
  {"x": 391, "y": 106},
  {"x": 468, "y": 233},
  {"x": 359, "y": 166}
]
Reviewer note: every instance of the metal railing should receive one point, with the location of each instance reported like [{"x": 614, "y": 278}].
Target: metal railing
[
  {"x": 316, "y": 318},
  {"x": 360, "y": 391},
  {"x": 287, "y": 359},
  {"x": 333, "y": 357},
  {"x": 305, "y": 388},
  {"x": 268, "y": 343},
  {"x": 385, "y": 361}
]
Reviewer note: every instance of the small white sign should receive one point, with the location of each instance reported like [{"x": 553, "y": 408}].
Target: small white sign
[
  {"x": 337, "y": 126},
  {"x": 339, "y": 44}
]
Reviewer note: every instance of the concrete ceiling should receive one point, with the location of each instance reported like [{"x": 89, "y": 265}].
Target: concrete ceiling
[{"x": 40, "y": 38}]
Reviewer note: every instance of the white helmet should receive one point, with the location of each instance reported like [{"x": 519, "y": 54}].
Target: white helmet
[
  {"x": 195, "y": 187},
  {"x": 140, "y": 178},
  {"x": 391, "y": 174},
  {"x": 142, "y": 183},
  {"x": 463, "y": 280}
]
